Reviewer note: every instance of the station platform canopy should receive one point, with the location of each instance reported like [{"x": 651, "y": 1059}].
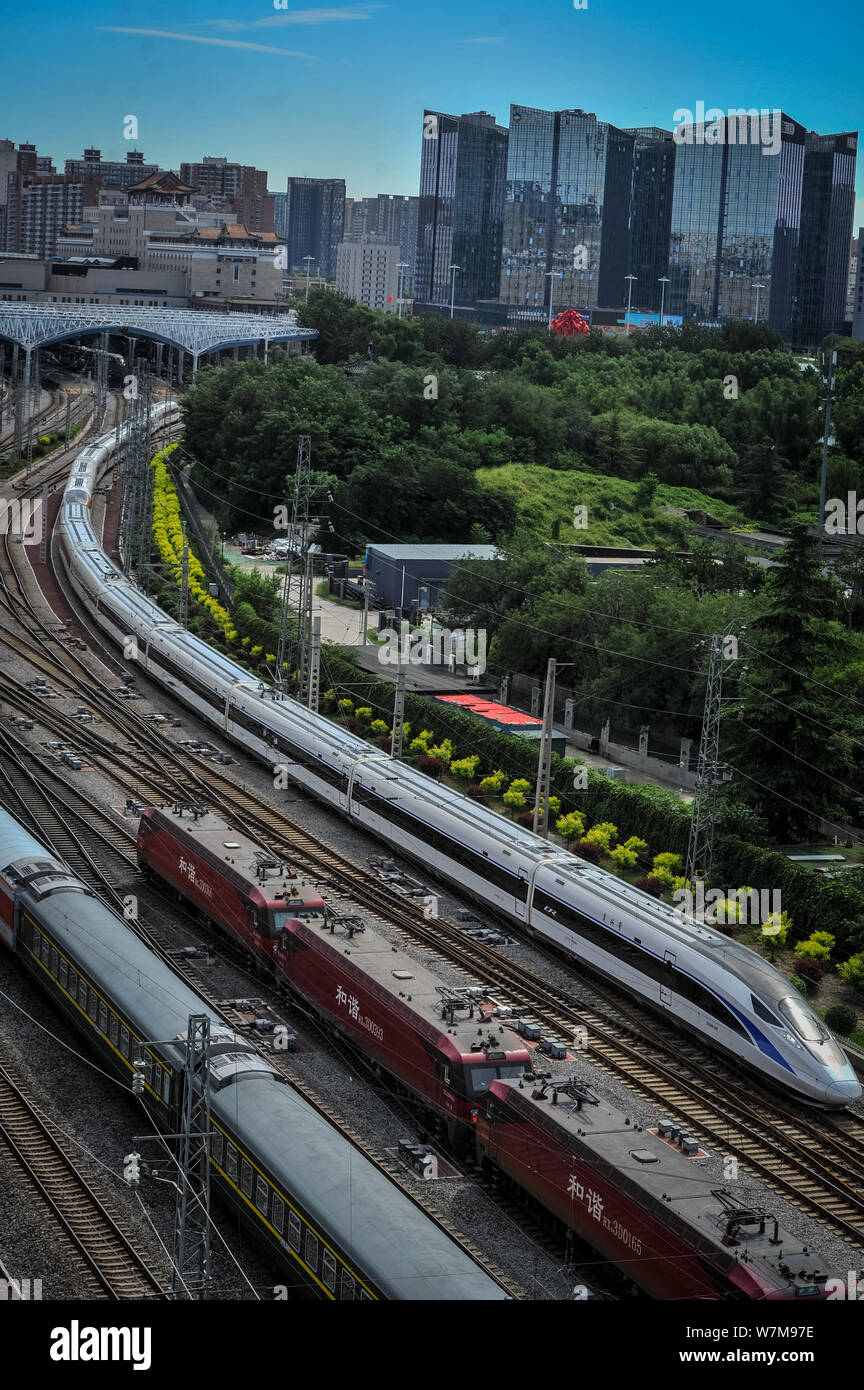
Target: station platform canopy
[{"x": 190, "y": 330}]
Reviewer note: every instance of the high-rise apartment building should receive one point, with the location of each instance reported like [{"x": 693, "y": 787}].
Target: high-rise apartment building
[
  {"x": 368, "y": 270},
  {"x": 463, "y": 164},
  {"x": 38, "y": 207},
  {"x": 314, "y": 223},
  {"x": 239, "y": 188},
  {"x": 390, "y": 216},
  {"x": 117, "y": 173}
]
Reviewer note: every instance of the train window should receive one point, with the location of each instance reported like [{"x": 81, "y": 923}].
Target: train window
[
  {"x": 232, "y": 1162},
  {"x": 246, "y": 1176},
  {"x": 103, "y": 1017},
  {"x": 54, "y": 962},
  {"x": 262, "y": 1194},
  {"x": 294, "y": 1230},
  {"x": 311, "y": 1250},
  {"x": 329, "y": 1270},
  {"x": 278, "y": 1213},
  {"x": 216, "y": 1145},
  {"x": 63, "y": 972},
  {"x": 347, "y": 1289},
  {"x": 92, "y": 1004},
  {"x": 124, "y": 1040},
  {"x": 166, "y": 1087},
  {"x": 766, "y": 1015},
  {"x": 73, "y": 983},
  {"x": 45, "y": 948},
  {"x": 113, "y": 1028},
  {"x": 480, "y": 1078},
  {"x": 803, "y": 1020},
  {"x": 157, "y": 1081}
]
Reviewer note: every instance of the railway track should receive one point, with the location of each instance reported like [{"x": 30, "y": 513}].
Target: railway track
[
  {"x": 110, "y": 1266},
  {"x": 815, "y": 1165}
]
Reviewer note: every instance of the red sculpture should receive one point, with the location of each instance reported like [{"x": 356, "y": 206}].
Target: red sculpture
[{"x": 568, "y": 324}]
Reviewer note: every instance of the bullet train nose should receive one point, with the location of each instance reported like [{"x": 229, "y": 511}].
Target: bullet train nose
[{"x": 844, "y": 1092}]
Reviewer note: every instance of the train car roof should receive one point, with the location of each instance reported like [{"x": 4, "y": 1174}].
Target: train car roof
[
  {"x": 394, "y": 1242},
  {"x": 652, "y": 1171}
]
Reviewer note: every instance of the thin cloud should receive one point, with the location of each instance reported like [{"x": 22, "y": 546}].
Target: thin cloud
[
  {"x": 495, "y": 40},
  {"x": 201, "y": 38},
  {"x": 320, "y": 16}
]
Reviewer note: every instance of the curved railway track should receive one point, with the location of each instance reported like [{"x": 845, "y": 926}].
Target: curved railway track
[{"x": 816, "y": 1163}]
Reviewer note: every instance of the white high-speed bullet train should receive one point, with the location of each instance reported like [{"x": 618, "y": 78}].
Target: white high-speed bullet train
[{"x": 724, "y": 992}]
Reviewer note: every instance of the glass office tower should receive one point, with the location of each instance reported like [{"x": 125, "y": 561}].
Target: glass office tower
[
  {"x": 313, "y": 217},
  {"x": 462, "y": 170},
  {"x": 827, "y": 211},
  {"x": 580, "y": 213},
  {"x": 736, "y": 216}
]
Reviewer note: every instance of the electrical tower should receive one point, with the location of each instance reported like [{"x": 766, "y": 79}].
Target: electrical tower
[
  {"x": 297, "y": 532},
  {"x": 192, "y": 1213},
  {"x": 700, "y": 847}
]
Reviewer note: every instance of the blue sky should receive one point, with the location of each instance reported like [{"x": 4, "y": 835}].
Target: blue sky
[{"x": 339, "y": 91}]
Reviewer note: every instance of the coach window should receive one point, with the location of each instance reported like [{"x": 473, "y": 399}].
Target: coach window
[
  {"x": 216, "y": 1144},
  {"x": 232, "y": 1162},
  {"x": 103, "y": 1017},
  {"x": 294, "y": 1230},
  {"x": 93, "y": 1005},
  {"x": 124, "y": 1040},
  {"x": 246, "y": 1176},
  {"x": 157, "y": 1080},
  {"x": 278, "y": 1213},
  {"x": 166, "y": 1087},
  {"x": 329, "y": 1270},
  {"x": 311, "y": 1250},
  {"x": 113, "y": 1029},
  {"x": 63, "y": 972},
  {"x": 347, "y": 1289},
  {"x": 46, "y": 950},
  {"x": 54, "y": 961},
  {"x": 262, "y": 1193}
]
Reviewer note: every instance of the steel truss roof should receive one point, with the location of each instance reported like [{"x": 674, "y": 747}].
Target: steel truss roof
[{"x": 36, "y": 325}]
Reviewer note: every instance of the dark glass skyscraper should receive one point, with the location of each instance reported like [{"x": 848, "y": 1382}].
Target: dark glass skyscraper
[
  {"x": 581, "y": 210},
  {"x": 827, "y": 211},
  {"x": 462, "y": 170},
  {"x": 314, "y": 222}
]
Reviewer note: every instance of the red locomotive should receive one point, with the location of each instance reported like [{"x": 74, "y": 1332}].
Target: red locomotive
[
  {"x": 443, "y": 1045},
  {"x": 633, "y": 1196},
  {"x": 628, "y": 1192}
]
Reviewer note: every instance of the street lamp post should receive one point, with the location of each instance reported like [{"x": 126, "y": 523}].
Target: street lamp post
[
  {"x": 453, "y": 268},
  {"x": 629, "y": 279},
  {"x": 757, "y": 287},
  {"x": 550, "y": 275},
  {"x": 308, "y": 273},
  {"x": 403, "y": 265},
  {"x": 664, "y": 281}
]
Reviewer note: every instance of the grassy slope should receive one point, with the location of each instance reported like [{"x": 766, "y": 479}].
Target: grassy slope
[{"x": 546, "y": 495}]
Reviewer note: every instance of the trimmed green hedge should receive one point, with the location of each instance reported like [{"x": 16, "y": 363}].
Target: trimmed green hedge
[{"x": 814, "y": 902}]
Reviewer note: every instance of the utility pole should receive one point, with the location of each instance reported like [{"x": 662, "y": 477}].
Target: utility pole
[
  {"x": 315, "y": 664},
  {"x": 544, "y": 767},
  {"x": 664, "y": 281},
  {"x": 700, "y": 847},
  {"x": 398, "y": 711},
  {"x": 827, "y": 401},
  {"x": 184, "y": 584},
  {"x": 453, "y": 268},
  {"x": 296, "y": 541},
  {"x": 307, "y": 624}
]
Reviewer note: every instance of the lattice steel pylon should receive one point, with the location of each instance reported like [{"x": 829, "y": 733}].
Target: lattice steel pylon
[
  {"x": 700, "y": 846},
  {"x": 192, "y": 1212},
  {"x": 297, "y": 531}
]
